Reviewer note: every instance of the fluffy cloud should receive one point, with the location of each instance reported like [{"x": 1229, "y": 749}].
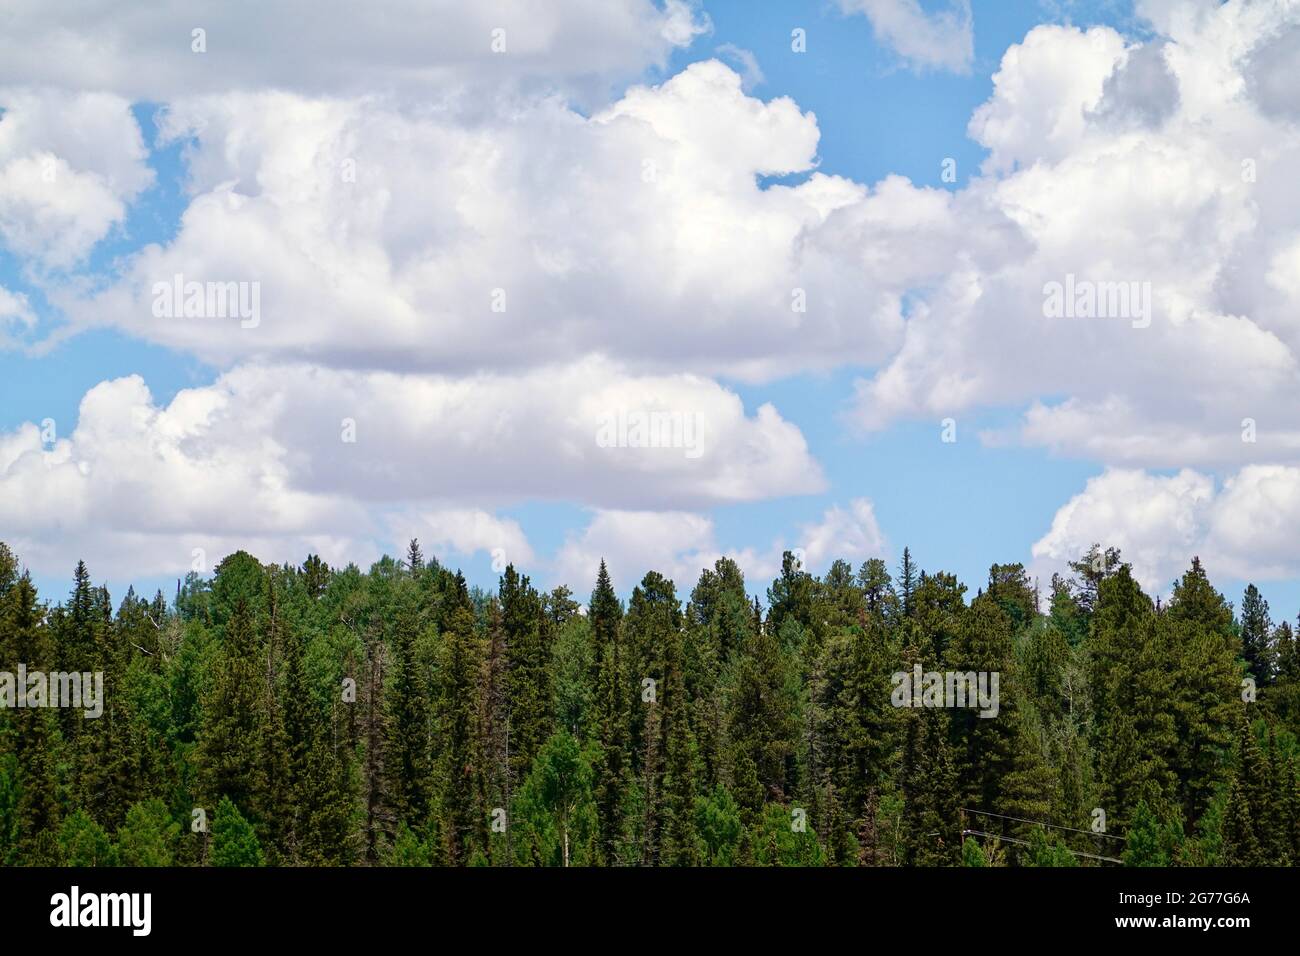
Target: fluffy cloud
[
  {"x": 943, "y": 39},
  {"x": 70, "y": 163},
  {"x": 382, "y": 238},
  {"x": 1143, "y": 164},
  {"x": 850, "y": 533},
  {"x": 16, "y": 315},
  {"x": 297, "y": 454},
  {"x": 138, "y": 488},
  {"x": 1222, "y": 432},
  {"x": 421, "y": 48},
  {"x": 1246, "y": 529},
  {"x": 601, "y": 262},
  {"x": 465, "y": 531}
]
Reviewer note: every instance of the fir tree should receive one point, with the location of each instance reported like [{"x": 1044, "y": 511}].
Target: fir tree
[
  {"x": 229, "y": 748},
  {"x": 529, "y": 636},
  {"x": 1256, "y": 637},
  {"x": 234, "y": 842},
  {"x": 463, "y": 823},
  {"x": 906, "y": 583},
  {"x": 609, "y": 713},
  {"x": 761, "y": 724},
  {"x": 149, "y": 835}
]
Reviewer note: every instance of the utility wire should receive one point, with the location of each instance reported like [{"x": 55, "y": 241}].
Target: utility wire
[
  {"x": 1054, "y": 826},
  {"x": 1026, "y": 843}
]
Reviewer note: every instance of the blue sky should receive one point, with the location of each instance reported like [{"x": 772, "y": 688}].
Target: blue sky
[{"x": 960, "y": 506}]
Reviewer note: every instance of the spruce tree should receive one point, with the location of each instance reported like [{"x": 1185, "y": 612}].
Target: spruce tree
[
  {"x": 35, "y": 734},
  {"x": 761, "y": 725},
  {"x": 229, "y": 753},
  {"x": 930, "y": 791},
  {"x": 529, "y": 637},
  {"x": 680, "y": 846},
  {"x": 1256, "y": 637},
  {"x": 1249, "y": 802},
  {"x": 234, "y": 842},
  {"x": 609, "y": 714},
  {"x": 149, "y": 836},
  {"x": 906, "y": 583},
  {"x": 463, "y": 823}
]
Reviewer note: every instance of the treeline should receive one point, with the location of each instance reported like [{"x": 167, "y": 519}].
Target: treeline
[{"x": 278, "y": 715}]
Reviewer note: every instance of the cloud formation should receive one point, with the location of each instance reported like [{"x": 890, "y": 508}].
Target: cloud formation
[
  {"x": 943, "y": 38},
  {"x": 420, "y": 49},
  {"x": 295, "y": 456},
  {"x": 1246, "y": 528}
]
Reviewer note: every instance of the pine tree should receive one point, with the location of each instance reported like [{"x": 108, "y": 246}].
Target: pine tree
[
  {"x": 680, "y": 841},
  {"x": 906, "y": 583},
  {"x": 877, "y": 591},
  {"x": 1010, "y": 588},
  {"x": 456, "y": 717},
  {"x": 1001, "y": 767},
  {"x": 83, "y": 842},
  {"x": 34, "y": 734},
  {"x": 414, "y": 558},
  {"x": 1240, "y": 845},
  {"x": 1195, "y": 599},
  {"x": 328, "y": 811},
  {"x": 149, "y": 835},
  {"x": 609, "y": 713},
  {"x": 1275, "y": 831},
  {"x": 761, "y": 725},
  {"x": 938, "y": 607},
  {"x": 234, "y": 842},
  {"x": 1093, "y": 568},
  {"x": 1067, "y": 615},
  {"x": 1133, "y": 671},
  {"x": 972, "y": 854},
  {"x": 930, "y": 791},
  {"x": 790, "y": 601},
  {"x": 1256, "y": 635},
  {"x": 1144, "y": 844},
  {"x": 856, "y": 722},
  {"x": 229, "y": 753},
  {"x": 1201, "y": 700},
  {"x": 406, "y": 714},
  {"x": 529, "y": 636},
  {"x": 1249, "y": 802},
  {"x": 653, "y": 620},
  {"x": 494, "y": 722}
]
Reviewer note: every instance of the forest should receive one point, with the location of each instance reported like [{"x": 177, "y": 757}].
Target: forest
[{"x": 272, "y": 715}]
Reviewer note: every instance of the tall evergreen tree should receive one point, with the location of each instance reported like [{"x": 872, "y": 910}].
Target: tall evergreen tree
[
  {"x": 229, "y": 750},
  {"x": 609, "y": 714},
  {"x": 1256, "y": 637},
  {"x": 462, "y": 819}
]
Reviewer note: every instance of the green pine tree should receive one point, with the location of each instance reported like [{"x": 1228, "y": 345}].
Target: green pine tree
[{"x": 234, "y": 842}]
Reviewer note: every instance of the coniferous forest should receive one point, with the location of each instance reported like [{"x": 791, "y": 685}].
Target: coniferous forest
[{"x": 280, "y": 716}]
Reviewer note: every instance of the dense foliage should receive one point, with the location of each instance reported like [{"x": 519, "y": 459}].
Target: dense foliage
[{"x": 273, "y": 715}]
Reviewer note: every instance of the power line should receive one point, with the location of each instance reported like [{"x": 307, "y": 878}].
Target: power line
[
  {"x": 1026, "y": 843},
  {"x": 1054, "y": 826}
]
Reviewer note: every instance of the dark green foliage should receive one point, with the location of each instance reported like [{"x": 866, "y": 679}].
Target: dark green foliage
[
  {"x": 149, "y": 835},
  {"x": 234, "y": 843},
  {"x": 1257, "y": 637},
  {"x": 609, "y": 715},
  {"x": 333, "y": 716}
]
